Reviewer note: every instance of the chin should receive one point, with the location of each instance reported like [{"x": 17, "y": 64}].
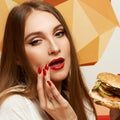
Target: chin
[{"x": 59, "y": 77}]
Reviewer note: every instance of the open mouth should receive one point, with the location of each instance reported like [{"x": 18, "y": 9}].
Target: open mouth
[
  {"x": 57, "y": 64},
  {"x": 56, "y": 61}
]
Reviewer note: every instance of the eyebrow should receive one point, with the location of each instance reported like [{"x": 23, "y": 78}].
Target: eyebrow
[
  {"x": 32, "y": 34},
  {"x": 38, "y": 32}
]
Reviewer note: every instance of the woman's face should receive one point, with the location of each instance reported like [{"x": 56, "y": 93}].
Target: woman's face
[{"x": 46, "y": 43}]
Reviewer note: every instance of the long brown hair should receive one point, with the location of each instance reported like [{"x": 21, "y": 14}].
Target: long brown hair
[{"x": 16, "y": 71}]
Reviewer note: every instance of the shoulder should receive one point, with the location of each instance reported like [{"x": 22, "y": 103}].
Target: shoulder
[
  {"x": 17, "y": 107},
  {"x": 14, "y": 100}
]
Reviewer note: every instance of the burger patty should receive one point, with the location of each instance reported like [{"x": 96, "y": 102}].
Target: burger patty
[
  {"x": 113, "y": 90},
  {"x": 106, "y": 89}
]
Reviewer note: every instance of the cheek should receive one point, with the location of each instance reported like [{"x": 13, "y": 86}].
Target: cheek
[{"x": 36, "y": 58}]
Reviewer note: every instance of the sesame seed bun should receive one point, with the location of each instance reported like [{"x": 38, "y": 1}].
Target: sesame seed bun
[
  {"x": 110, "y": 78},
  {"x": 106, "y": 91}
]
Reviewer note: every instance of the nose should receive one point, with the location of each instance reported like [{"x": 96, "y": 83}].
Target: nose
[{"x": 53, "y": 49}]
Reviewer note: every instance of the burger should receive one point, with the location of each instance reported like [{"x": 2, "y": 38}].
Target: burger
[{"x": 106, "y": 90}]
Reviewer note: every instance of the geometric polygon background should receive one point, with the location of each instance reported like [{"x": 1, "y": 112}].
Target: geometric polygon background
[{"x": 91, "y": 23}]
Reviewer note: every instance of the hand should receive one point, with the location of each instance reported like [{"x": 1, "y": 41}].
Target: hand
[{"x": 51, "y": 100}]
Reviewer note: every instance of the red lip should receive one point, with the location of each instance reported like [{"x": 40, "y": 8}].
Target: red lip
[{"x": 57, "y": 64}]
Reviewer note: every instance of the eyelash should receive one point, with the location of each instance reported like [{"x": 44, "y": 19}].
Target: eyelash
[
  {"x": 34, "y": 42},
  {"x": 60, "y": 33}
]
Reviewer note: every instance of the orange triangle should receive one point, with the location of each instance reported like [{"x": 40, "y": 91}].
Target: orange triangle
[
  {"x": 89, "y": 54},
  {"x": 100, "y": 22},
  {"x": 103, "y": 7},
  {"x": 55, "y": 2},
  {"x": 67, "y": 13}
]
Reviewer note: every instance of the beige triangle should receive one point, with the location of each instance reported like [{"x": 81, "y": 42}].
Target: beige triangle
[
  {"x": 10, "y": 4},
  {"x": 83, "y": 30}
]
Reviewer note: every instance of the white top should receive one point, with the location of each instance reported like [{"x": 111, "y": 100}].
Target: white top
[{"x": 17, "y": 107}]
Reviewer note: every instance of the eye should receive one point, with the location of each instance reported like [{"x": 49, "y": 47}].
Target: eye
[
  {"x": 60, "y": 33},
  {"x": 35, "y": 41}
]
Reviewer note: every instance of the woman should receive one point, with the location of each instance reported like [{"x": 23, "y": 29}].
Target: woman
[{"x": 39, "y": 74}]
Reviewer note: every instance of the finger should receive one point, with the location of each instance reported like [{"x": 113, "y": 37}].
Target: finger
[
  {"x": 40, "y": 88},
  {"x": 55, "y": 93},
  {"x": 50, "y": 97},
  {"x": 46, "y": 72},
  {"x": 52, "y": 94}
]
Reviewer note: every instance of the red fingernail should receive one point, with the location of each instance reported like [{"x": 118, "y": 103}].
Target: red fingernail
[
  {"x": 46, "y": 67},
  {"x": 44, "y": 72},
  {"x": 49, "y": 83},
  {"x": 39, "y": 70}
]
